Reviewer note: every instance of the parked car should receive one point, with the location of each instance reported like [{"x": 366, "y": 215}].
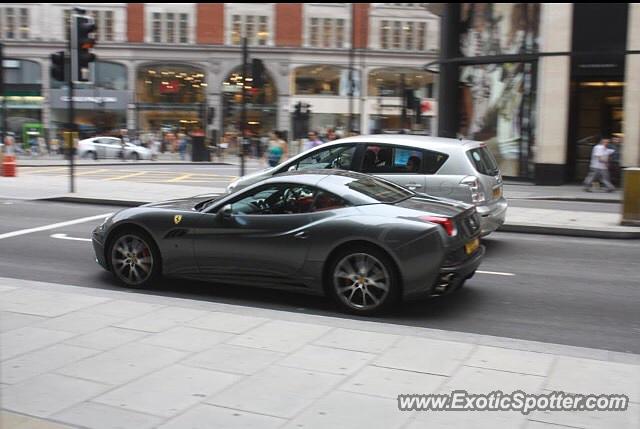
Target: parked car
[
  {"x": 362, "y": 240},
  {"x": 111, "y": 147},
  {"x": 458, "y": 169}
]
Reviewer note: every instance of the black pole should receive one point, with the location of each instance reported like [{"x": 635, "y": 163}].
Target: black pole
[
  {"x": 4, "y": 96},
  {"x": 403, "y": 114},
  {"x": 448, "y": 85},
  {"x": 352, "y": 54},
  {"x": 243, "y": 114},
  {"x": 71, "y": 126}
]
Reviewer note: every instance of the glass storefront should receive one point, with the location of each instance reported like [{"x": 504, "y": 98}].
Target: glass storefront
[
  {"x": 388, "y": 85},
  {"x": 497, "y": 103},
  {"x": 170, "y": 98},
  {"x": 23, "y": 86},
  {"x": 100, "y": 106},
  {"x": 261, "y": 103},
  {"x": 325, "y": 80}
]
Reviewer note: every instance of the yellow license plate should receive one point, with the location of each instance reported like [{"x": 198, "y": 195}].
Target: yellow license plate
[
  {"x": 497, "y": 193},
  {"x": 471, "y": 246}
]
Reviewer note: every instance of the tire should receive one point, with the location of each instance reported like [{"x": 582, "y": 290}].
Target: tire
[
  {"x": 373, "y": 292},
  {"x": 135, "y": 156},
  {"x": 134, "y": 258},
  {"x": 94, "y": 155}
]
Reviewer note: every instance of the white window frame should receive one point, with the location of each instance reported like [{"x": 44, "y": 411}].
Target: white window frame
[
  {"x": 402, "y": 24},
  {"x": 178, "y": 12},
  {"x": 256, "y": 10}
]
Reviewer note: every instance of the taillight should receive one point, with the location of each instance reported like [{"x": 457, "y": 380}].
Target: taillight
[
  {"x": 446, "y": 222},
  {"x": 474, "y": 186}
]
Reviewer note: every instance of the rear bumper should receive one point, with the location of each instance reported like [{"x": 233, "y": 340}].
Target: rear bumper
[
  {"x": 492, "y": 215},
  {"x": 450, "y": 277}
]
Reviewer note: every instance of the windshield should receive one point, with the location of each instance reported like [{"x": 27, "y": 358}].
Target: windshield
[
  {"x": 379, "y": 190},
  {"x": 483, "y": 161}
]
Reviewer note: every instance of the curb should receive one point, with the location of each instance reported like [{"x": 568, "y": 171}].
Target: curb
[
  {"x": 569, "y": 199},
  {"x": 110, "y": 164},
  {"x": 514, "y": 228},
  {"x": 95, "y": 201},
  {"x": 570, "y": 232}
]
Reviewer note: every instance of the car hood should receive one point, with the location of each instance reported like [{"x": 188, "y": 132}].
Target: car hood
[
  {"x": 183, "y": 203},
  {"x": 435, "y": 205}
]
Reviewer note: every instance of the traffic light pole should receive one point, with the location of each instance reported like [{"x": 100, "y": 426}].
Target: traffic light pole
[
  {"x": 71, "y": 126},
  {"x": 243, "y": 114},
  {"x": 4, "y": 96}
]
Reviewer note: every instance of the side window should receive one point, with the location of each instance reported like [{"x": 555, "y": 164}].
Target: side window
[
  {"x": 433, "y": 161},
  {"x": 339, "y": 157},
  {"x": 287, "y": 199},
  {"x": 379, "y": 159}
]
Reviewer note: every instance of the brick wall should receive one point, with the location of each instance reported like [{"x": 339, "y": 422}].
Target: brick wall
[
  {"x": 135, "y": 22},
  {"x": 361, "y": 25},
  {"x": 210, "y": 23},
  {"x": 288, "y": 24}
]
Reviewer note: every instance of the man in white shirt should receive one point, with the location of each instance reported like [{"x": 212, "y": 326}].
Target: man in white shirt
[{"x": 599, "y": 167}]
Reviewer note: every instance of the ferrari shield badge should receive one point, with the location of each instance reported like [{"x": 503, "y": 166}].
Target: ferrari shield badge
[{"x": 177, "y": 219}]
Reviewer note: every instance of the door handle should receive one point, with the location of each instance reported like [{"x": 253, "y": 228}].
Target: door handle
[{"x": 301, "y": 235}]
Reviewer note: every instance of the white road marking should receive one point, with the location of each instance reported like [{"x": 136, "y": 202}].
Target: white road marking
[
  {"x": 53, "y": 226},
  {"x": 65, "y": 237},
  {"x": 494, "y": 273}
]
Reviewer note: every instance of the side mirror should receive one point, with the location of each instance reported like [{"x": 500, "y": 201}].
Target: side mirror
[
  {"x": 225, "y": 214},
  {"x": 294, "y": 167}
]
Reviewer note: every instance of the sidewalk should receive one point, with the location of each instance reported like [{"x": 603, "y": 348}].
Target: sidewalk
[
  {"x": 84, "y": 357},
  {"x": 519, "y": 219}
]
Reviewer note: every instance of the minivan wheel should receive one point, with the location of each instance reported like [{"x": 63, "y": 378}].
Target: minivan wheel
[
  {"x": 363, "y": 280},
  {"x": 134, "y": 259}
]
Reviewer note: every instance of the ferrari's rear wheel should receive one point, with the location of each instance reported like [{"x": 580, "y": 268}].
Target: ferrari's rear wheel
[
  {"x": 363, "y": 280},
  {"x": 134, "y": 260}
]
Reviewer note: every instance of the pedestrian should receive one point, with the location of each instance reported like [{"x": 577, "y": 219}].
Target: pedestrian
[
  {"x": 331, "y": 135},
  {"x": 599, "y": 167},
  {"x": 314, "y": 140},
  {"x": 9, "y": 144},
  {"x": 183, "y": 146},
  {"x": 277, "y": 150}
]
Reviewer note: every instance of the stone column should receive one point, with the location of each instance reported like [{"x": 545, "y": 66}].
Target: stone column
[
  {"x": 554, "y": 77},
  {"x": 631, "y": 144}
]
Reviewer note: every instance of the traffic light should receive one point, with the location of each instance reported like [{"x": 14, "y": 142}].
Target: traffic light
[
  {"x": 257, "y": 73},
  {"x": 82, "y": 40},
  {"x": 57, "y": 66},
  {"x": 298, "y": 110}
]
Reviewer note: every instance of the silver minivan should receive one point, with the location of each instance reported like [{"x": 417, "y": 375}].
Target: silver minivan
[{"x": 457, "y": 169}]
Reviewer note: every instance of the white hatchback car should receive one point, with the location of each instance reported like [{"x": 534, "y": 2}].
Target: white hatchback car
[
  {"x": 461, "y": 170},
  {"x": 111, "y": 147}
]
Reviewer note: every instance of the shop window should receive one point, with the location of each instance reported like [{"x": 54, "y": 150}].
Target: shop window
[
  {"x": 22, "y": 72},
  {"x": 171, "y": 84},
  {"x": 388, "y": 82},
  {"x": 324, "y": 80}
]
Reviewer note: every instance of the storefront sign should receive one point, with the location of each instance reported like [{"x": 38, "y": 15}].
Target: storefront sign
[{"x": 90, "y": 99}]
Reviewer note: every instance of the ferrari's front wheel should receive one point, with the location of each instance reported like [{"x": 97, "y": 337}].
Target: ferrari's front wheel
[
  {"x": 134, "y": 259},
  {"x": 363, "y": 280}
]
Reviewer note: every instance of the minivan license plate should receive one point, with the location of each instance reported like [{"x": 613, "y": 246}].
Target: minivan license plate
[{"x": 471, "y": 246}]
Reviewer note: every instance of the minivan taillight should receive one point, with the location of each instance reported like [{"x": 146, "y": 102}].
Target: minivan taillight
[
  {"x": 474, "y": 186},
  {"x": 446, "y": 222}
]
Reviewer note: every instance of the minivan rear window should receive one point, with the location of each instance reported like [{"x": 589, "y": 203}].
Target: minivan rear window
[{"x": 483, "y": 160}]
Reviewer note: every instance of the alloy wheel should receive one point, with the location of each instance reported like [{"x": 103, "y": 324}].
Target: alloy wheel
[
  {"x": 361, "y": 281},
  {"x": 132, "y": 260}
]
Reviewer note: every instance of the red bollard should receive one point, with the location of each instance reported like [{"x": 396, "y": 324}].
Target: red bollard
[{"x": 9, "y": 166}]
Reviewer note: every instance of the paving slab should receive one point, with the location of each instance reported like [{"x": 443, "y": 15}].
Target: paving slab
[
  {"x": 99, "y": 416},
  {"x": 201, "y": 416}
]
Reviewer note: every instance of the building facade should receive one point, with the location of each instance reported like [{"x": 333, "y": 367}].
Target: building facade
[
  {"x": 541, "y": 83},
  {"x": 178, "y": 66}
]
